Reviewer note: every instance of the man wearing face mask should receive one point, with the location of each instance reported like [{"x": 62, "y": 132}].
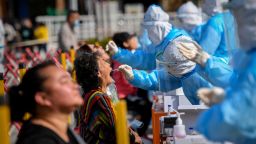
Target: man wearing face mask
[
  {"x": 234, "y": 118},
  {"x": 68, "y": 33}
]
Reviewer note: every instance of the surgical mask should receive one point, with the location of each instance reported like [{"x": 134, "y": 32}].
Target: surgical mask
[
  {"x": 112, "y": 92},
  {"x": 76, "y": 26},
  {"x": 76, "y": 23}
]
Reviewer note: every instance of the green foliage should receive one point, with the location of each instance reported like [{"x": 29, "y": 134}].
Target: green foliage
[{"x": 103, "y": 42}]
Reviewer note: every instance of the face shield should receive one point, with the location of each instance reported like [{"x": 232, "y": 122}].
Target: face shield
[{"x": 143, "y": 39}]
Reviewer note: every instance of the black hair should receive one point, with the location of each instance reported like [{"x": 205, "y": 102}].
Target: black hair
[
  {"x": 70, "y": 12},
  {"x": 121, "y": 37},
  {"x": 87, "y": 68},
  {"x": 22, "y": 96},
  {"x": 83, "y": 49}
]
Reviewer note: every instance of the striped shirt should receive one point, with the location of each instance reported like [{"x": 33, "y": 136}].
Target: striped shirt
[{"x": 97, "y": 119}]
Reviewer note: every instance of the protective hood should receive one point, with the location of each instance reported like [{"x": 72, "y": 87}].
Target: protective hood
[
  {"x": 156, "y": 22},
  {"x": 155, "y": 14},
  {"x": 188, "y": 13}
]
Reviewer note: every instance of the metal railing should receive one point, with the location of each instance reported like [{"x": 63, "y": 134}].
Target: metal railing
[
  {"x": 53, "y": 23},
  {"x": 92, "y": 27}
]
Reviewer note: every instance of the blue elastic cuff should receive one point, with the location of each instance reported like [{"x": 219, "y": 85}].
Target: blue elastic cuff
[
  {"x": 133, "y": 81},
  {"x": 116, "y": 55},
  {"x": 188, "y": 74}
]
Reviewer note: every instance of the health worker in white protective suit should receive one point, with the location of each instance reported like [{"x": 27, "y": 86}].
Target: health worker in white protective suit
[
  {"x": 144, "y": 57},
  {"x": 177, "y": 71}
]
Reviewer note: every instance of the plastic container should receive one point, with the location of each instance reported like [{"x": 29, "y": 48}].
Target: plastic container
[{"x": 179, "y": 130}]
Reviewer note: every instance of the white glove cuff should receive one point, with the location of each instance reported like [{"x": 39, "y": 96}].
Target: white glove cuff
[{"x": 127, "y": 72}]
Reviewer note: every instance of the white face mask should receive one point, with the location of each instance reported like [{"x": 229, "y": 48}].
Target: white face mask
[
  {"x": 158, "y": 31},
  {"x": 76, "y": 26},
  {"x": 155, "y": 34},
  {"x": 76, "y": 23}
]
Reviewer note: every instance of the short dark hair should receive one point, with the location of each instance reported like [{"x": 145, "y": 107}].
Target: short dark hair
[
  {"x": 70, "y": 12},
  {"x": 84, "y": 49},
  {"x": 121, "y": 37},
  {"x": 22, "y": 96},
  {"x": 87, "y": 68}
]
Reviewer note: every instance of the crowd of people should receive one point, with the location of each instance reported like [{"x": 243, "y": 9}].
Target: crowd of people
[
  {"x": 24, "y": 30},
  {"x": 201, "y": 55}
]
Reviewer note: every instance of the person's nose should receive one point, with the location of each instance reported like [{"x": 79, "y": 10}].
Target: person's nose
[{"x": 75, "y": 85}]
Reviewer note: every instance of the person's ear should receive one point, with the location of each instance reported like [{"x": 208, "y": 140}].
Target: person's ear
[
  {"x": 99, "y": 74},
  {"x": 125, "y": 44},
  {"x": 42, "y": 99}
]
